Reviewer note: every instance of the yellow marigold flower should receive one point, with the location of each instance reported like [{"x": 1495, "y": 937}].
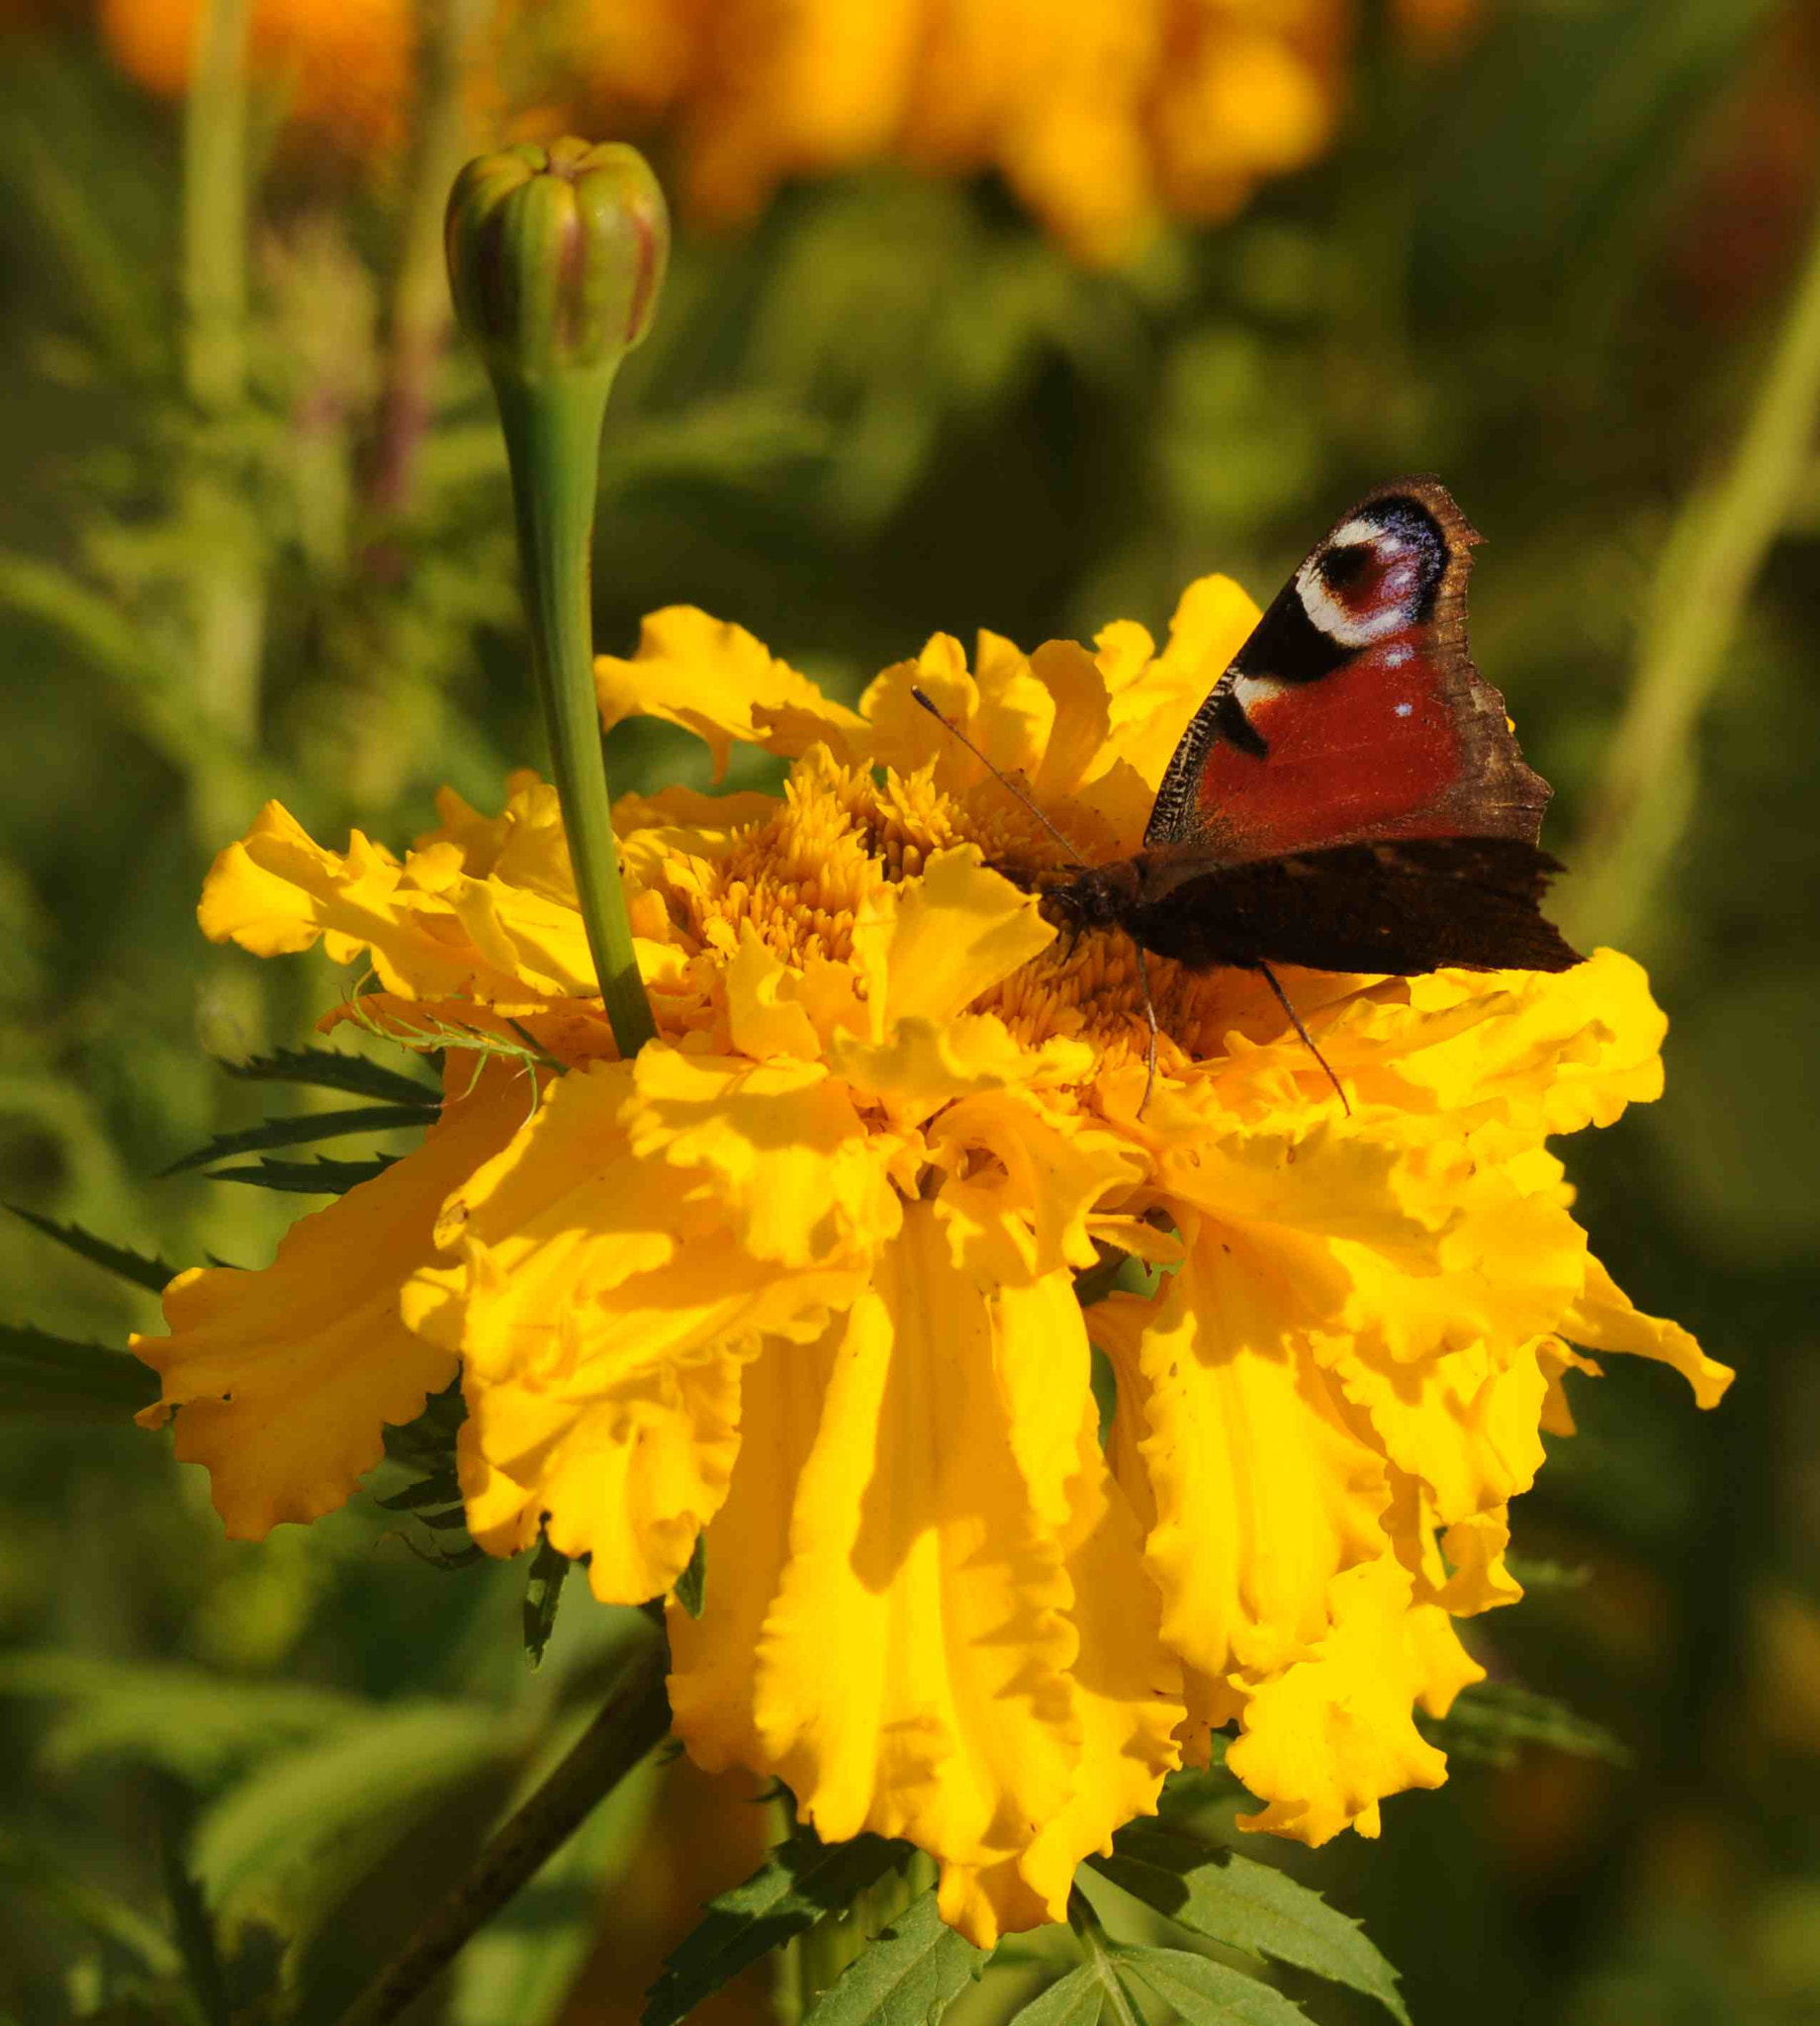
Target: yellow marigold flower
[{"x": 803, "y": 1272}]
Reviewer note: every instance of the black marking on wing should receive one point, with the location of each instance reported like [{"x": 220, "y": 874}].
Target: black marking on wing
[{"x": 1418, "y": 905}]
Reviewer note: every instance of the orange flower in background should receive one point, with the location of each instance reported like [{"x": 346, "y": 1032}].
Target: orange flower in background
[
  {"x": 344, "y": 69},
  {"x": 1103, "y": 116}
]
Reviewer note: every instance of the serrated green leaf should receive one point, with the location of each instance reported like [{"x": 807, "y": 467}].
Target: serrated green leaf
[
  {"x": 798, "y": 1883},
  {"x": 54, "y": 1377},
  {"x": 543, "y": 1590},
  {"x": 692, "y": 1584},
  {"x": 318, "y": 1177},
  {"x": 909, "y": 1974},
  {"x": 1244, "y": 1905},
  {"x": 329, "y": 1069},
  {"x": 301, "y": 1131},
  {"x": 36, "y": 1876},
  {"x": 198, "y": 1725},
  {"x": 1208, "y": 1993},
  {"x": 1493, "y": 1721},
  {"x": 150, "y": 1273},
  {"x": 286, "y": 1844},
  {"x": 1073, "y": 2001}
]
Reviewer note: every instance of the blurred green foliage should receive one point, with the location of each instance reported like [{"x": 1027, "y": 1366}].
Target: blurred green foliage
[{"x": 1552, "y": 265}]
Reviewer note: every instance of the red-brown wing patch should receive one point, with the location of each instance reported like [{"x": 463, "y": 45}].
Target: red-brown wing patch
[{"x": 1353, "y": 712}]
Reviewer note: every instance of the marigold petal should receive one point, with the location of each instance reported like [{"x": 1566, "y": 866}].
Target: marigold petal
[
  {"x": 912, "y": 1674},
  {"x": 1463, "y": 1423},
  {"x": 580, "y": 1263},
  {"x": 1025, "y": 1216},
  {"x": 1603, "y": 1319},
  {"x": 930, "y": 948},
  {"x": 788, "y": 1156},
  {"x": 1263, "y": 1493},
  {"x": 286, "y": 1376},
  {"x": 627, "y": 1473},
  {"x": 1331, "y": 1735},
  {"x": 718, "y": 681},
  {"x": 428, "y": 929},
  {"x": 1152, "y": 704},
  {"x": 764, "y": 1014}
]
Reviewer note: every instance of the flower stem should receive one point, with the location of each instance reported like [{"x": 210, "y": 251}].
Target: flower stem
[
  {"x": 552, "y": 440},
  {"x": 418, "y": 314},
  {"x": 633, "y": 1720},
  {"x": 214, "y": 208},
  {"x": 1098, "y": 1951},
  {"x": 1715, "y": 549}
]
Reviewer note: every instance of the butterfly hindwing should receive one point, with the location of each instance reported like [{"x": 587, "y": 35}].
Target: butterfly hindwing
[
  {"x": 1416, "y": 905},
  {"x": 1353, "y": 712}
]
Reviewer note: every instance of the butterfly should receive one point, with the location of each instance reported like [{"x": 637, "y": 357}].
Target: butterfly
[{"x": 1350, "y": 796}]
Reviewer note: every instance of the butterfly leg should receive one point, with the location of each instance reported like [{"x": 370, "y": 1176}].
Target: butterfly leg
[
  {"x": 1149, "y": 1013},
  {"x": 1308, "y": 1040}
]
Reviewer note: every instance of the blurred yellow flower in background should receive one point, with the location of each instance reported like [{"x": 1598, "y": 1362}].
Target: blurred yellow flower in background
[
  {"x": 804, "y": 1273},
  {"x": 1103, "y": 116}
]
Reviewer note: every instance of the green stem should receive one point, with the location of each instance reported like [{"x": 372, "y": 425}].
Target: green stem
[
  {"x": 1712, "y": 556},
  {"x": 633, "y": 1722},
  {"x": 214, "y": 208},
  {"x": 418, "y": 315},
  {"x": 553, "y": 442},
  {"x": 229, "y": 604},
  {"x": 1100, "y": 1960}
]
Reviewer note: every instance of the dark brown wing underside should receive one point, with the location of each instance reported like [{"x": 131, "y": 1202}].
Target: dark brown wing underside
[{"x": 1414, "y": 905}]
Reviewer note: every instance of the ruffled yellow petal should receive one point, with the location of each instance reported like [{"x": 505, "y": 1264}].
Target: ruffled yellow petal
[
  {"x": 1463, "y": 1423},
  {"x": 627, "y": 1473},
  {"x": 1330, "y": 1736},
  {"x": 1602, "y": 1318},
  {"x": 573, "y": 1258},
  {"x": 1263, "y": 1493},
  {"x": 930, "y": 948},
  {"x": 1025, "y": 1179},
  {"x": 1153, "y": 698},
  {"x": 776, "y": 1147},
  {"x": 285, "y": 1377},
  {"x": 428, "y": 929},
  {"x": 715, "y": 679},
  {"x": 912, "y": 1674}
]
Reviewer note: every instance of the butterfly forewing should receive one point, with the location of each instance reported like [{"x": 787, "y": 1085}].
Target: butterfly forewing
[{"x": 1353, "y": 712}]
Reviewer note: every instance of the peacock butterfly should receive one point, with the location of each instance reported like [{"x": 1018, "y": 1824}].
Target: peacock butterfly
[{"x": 1350, "y": 795}]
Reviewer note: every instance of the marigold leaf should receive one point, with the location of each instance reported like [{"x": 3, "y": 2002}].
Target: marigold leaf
[
  {"x": 1204, "y": 1993},
  {"x": 298, "y": 1131},
  {"x": 1073, "y": 2000},
  {"x": 1490, "y": 1723},
  {"x": 1244, "y": 1904},
  {"x": 151, "y": 1274},
  {"x": 443, "y": 1488},
  {"x": 798, "y": 1883},
  {"x": 543, "y": 1590},
  {"x": 190, "y": 1921},
  {"x": 318, "y": 1177},
  {"x": 42, "y": 1375},
  {"x": 908, "y": 1975},
  {"x": 330, "y": 1070},
  {"x": 692, "y": 1584}
]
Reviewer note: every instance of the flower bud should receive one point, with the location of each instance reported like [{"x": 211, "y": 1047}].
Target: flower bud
[{"x": 556, "y": 256}]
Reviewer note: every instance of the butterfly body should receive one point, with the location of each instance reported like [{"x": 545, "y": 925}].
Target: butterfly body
[{"x": 1349, "y": 796}]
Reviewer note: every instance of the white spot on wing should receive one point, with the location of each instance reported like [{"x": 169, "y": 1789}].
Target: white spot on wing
[{"x": 1404, "y": 709}]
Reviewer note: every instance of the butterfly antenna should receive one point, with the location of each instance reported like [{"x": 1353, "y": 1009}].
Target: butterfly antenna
[
  {"x": 998, "y": 774},
  {"x": 1308, "y": 1040}
]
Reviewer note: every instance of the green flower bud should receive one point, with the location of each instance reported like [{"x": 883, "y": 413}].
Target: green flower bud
[{"x": 556, "y": 256}]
